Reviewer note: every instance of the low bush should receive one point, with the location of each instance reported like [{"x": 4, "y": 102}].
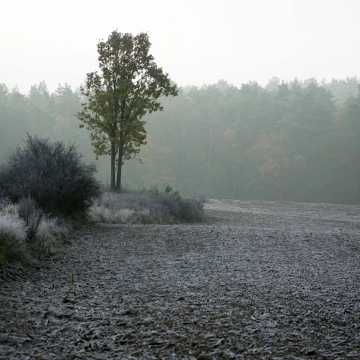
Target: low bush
[
  {"x": 146, "y": 207},
  {"x": 25, "y": 235},
  {"x": 119, "y": 208},
  {"x": 52, "y": 174},
  {"x": 32, "y": 215},
  {"x": 50, "y": 236},
  {"x": 12, "y": 235},
  {"x": 182, "y": 209}
]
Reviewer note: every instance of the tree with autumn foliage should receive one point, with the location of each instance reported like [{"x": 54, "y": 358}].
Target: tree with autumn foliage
[{"x": 128, "y": 86}]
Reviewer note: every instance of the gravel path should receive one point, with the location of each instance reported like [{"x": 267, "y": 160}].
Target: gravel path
[{"x": 262, "y": 281}]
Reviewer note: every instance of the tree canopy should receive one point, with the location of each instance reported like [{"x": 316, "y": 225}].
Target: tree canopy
[{"x": 129, "y": 85}]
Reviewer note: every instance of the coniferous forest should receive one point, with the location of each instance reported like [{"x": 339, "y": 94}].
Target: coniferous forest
[{"x": 283, "y": 141}]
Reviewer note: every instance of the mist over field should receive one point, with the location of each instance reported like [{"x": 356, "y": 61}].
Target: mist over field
[
  {"x": 222, "y": 217},
  {"x": 284, "y": 141}
]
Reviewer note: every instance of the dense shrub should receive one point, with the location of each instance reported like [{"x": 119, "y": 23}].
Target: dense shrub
[{"x": 52, "y": 174}]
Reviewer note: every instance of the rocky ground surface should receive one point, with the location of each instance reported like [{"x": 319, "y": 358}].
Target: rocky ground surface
[{"x": 259, "y": 281}]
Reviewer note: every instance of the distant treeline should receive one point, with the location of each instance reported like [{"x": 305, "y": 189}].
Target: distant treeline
[{"x": 285, "y": 141}]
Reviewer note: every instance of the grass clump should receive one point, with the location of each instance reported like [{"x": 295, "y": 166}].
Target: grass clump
[
  {"x": 26, "y": 233},
  {"x": 181, "y": 209},
  {"x": 12, "y": 235},
  {"x": 146, "y": 207},
  {"x": 31, "y": 214},
  {"x": 50, "y": 236}
]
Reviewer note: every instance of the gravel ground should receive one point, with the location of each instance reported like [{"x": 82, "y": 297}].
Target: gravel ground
[{"x": 261, "y": 280}]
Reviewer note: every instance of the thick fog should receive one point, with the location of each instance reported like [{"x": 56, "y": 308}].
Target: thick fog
[{"x": 197, "y": 42}]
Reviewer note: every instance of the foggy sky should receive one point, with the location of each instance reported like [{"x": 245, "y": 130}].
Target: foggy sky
[{"x": 195, "y": 41}]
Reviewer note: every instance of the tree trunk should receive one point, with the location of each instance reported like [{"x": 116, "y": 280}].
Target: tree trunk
[
  {"x": 119, "y": 170},
  {"x": 112, "y": 164}
]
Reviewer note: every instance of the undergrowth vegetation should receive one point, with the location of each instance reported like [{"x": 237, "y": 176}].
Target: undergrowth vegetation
[
  {"x": 42, "y": 184},
  {"x": 146, "y": 207},
  {"x": 22, "y": 239},
  {"x": 51, "y": 173},
  {"x": 12, "y": 234}
]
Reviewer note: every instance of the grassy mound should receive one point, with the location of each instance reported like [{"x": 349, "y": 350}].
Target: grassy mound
[
  {"x": 22, "y": 238},
  {"x": 146, "y": 207}
]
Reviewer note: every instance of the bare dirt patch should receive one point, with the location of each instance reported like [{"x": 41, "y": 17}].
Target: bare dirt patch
[{"x": 262, "y": 281}]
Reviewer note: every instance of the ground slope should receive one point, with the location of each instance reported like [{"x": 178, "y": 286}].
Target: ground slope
[{"x": 263, "y": 280}]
